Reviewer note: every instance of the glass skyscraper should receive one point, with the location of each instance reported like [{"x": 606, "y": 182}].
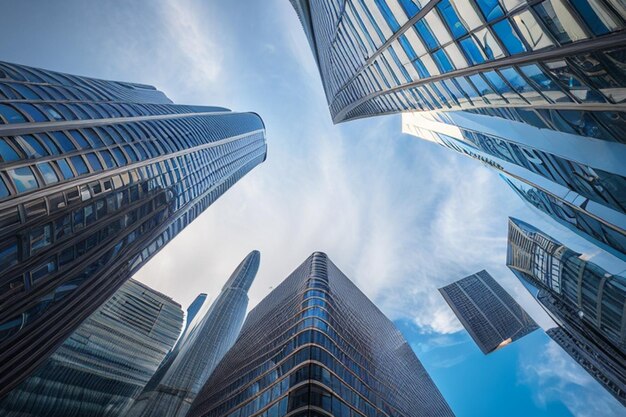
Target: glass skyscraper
[
  {"x": 560, "y": 62},
  {"x": 490, "y": 315},
  {"x": 173, "y": 388},
  {"x": 535, "y": 89},
  {"x": 103, "y": 366},
  {"x": 95, "y": 178},
  {"x": 587, "y": 302},
  {"x": 317, "y": 346}
]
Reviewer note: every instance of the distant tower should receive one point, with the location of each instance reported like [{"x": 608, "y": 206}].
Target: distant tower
[
  {"x": 317, "y": 346},
  {"x": 103, "y": 366},
  {"x": 171, "y": 392},
  {"x": 587, "y": 302},
  {"x": 489, "y": 314},
  {"x": 96, "y": 177}
]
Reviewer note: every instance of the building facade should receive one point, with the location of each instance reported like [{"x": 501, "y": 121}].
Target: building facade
[
  {"x": 317, "y": 346},
  {"x": 103, "y": 366},
  {"x": 490, "y": 315},
  {"x": 95, "y": 178},
  {"x": 172, "y": 390},
  {"x": 587, "y": 302},
  {"x": 557, "y": 60}
]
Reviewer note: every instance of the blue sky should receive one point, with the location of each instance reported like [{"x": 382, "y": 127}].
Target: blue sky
[{"x": 398, "y": 215}]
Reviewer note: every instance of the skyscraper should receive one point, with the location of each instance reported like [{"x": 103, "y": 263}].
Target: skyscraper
[
  {"x": 172, "y": 390},
  {"x": 316, "y": 345},
  {"x": 95, "y": 178},
  {"x": 560, "y": 61},
  {"x": 578, "y": 181},
  {"x": 541, "y": 86},
  {"x": 103, "y": 366},
  {"x": 489, "y": 314},
  {"x": 586, "y": 301}
]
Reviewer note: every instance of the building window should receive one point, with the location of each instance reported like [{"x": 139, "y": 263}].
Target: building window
[
  {"x": 47, "y": 172},
  {"x": 40, "y": 237},
  {"x": 79, "y": 165},
  {"x": 10, "y": 115},
  {"x": 65, "y": 169},
  {"x": 23, "y": 178},
  {"x": 508, "y": 37},
  {"x": 7, "y": 153}
]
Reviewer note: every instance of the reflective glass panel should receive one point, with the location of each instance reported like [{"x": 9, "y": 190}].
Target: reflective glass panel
[
  {"x": 560, "y": 21},
  {"x": 491, "y": 9},
  {"x": 48, "y": 174},
  {"x": 532, "y": 32},
  {"x": 7, "y": 153},
  {"x": 23, "y": 178},
  {"x": 508, "y": 37},
  {"x": 600, "y": 20},
  {"x": 471, "y": 50},
  {"x": 451, "y": 18},
  {"x": 11, "y": 115}
]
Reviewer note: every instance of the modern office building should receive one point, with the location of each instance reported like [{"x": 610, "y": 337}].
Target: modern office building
[
  {"x": 171, "y": 392},
  {"x": 317, "y": 346},
  {"x": 103, "y": 366},
  {"x": 95, "y": 178},
  {"x": 541, "y": 86},
  {"x": 489, "y": 314},
  {"x": 578, "y": 181},
  {"x": 587, "y": 302},
  {"x": 557, "y": 60}
]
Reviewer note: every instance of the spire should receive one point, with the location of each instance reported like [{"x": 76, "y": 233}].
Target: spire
[{"x": 245, "y": 272}]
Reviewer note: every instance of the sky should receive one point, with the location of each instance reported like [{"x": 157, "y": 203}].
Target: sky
[{"x": 400, "y": 216}]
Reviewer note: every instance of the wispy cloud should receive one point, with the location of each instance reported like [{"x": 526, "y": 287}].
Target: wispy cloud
[{"x": 558, "y": 377}]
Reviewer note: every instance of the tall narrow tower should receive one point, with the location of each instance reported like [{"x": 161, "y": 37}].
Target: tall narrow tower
[
  {"x": 317, "y": 346},
  {"x": 170, "y": 393},
  {"x": 96, "y": 177}
]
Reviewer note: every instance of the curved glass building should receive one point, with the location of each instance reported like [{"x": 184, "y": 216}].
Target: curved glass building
[
  {"x": 317, "y": 346},
  {"x": 587, "y": 302},
  {"x": 103, "y": 366},
  {"x": 95, "y": 178},
  {"x": 171, "y": 391}
]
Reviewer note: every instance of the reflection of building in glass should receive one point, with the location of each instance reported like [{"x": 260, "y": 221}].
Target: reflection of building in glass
[
  {"x": 580, "y": 182},
  {"x": 95, "y": 178},
  {"x": 171, "y": 391},
  {"x": 316, "y": 345},
  {"x": 103, "y": 366},
  {"x": 489, "y": 314},
  {"x": 587, "y": 302},
  {"x": 558, "y": 63}
]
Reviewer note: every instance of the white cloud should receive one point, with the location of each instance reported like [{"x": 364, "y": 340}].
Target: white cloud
[{"x": 557, "y": 377}]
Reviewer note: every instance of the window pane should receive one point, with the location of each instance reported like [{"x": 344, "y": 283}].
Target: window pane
[
  {"x": 31, "y": 146},
  {"x": 79, "y": 165},
  {"x": 8, "y": 254},
  {"x": 532, "y": 31},
  {"x": 508, "y": 37},
  {"x": 410, "y": 7},
  {"x": 491, "y": 48},
  {"x": 468, "y": 14},
  {"x": 65, "y": 169},
  {"x": 40, "y": 237},
  {"x": 491, "y": 9},
  {"x": 63, "y": 142},
  {"x": 596, "y": 16},
  {"x": 79, "y": 139},
  {"x": 561, "y": 71},
  {"x": 52, "y": 147},
  {"x": 11, "y": 115},
  {"x": 426, "y": 34},
  {"x": 442, "y": 61},
  {"x": 451, "y": 18},
  {"x": 94, "y": 162},
  {"x": 23, "y": 178},
  {"x": 471, "y": 50},
  {"x": 49, "y": 176},
  {"x": 559, "y": 21},
  {"x": 34, "y": 113},
  {"x": 520, "y": 85},
  {"x": 119, "y": 156},
  {"x": 545, "y": 84},
  {"x": 7, "y": 153},
  {"x": 108, "y": 159}
]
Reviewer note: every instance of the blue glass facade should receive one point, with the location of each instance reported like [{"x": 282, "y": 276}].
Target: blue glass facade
[
  {"x": 587, "y": 302},
  {"x": 95, "y": 178},
  {"x": 489, "y": 314},
  {"x": 171, "y": 391},
  {"x": 316, "y": 346},
  {"x": 103, "y": 366}
]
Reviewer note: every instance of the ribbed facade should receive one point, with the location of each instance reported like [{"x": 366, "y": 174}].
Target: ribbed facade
[
  {"x": 95, "y": 178},
  {"x": 172, "y": 390},
  {"x": 103, "y": 366},
  {"x": 560, "y": 61},
  {"x": 587, "y": 302},
  {"x": 489, "y": 314},
  {"x": 316, "y": 346}
]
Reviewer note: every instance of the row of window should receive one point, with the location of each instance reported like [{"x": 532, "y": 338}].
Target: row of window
[{"x": 71, "y": 86}]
